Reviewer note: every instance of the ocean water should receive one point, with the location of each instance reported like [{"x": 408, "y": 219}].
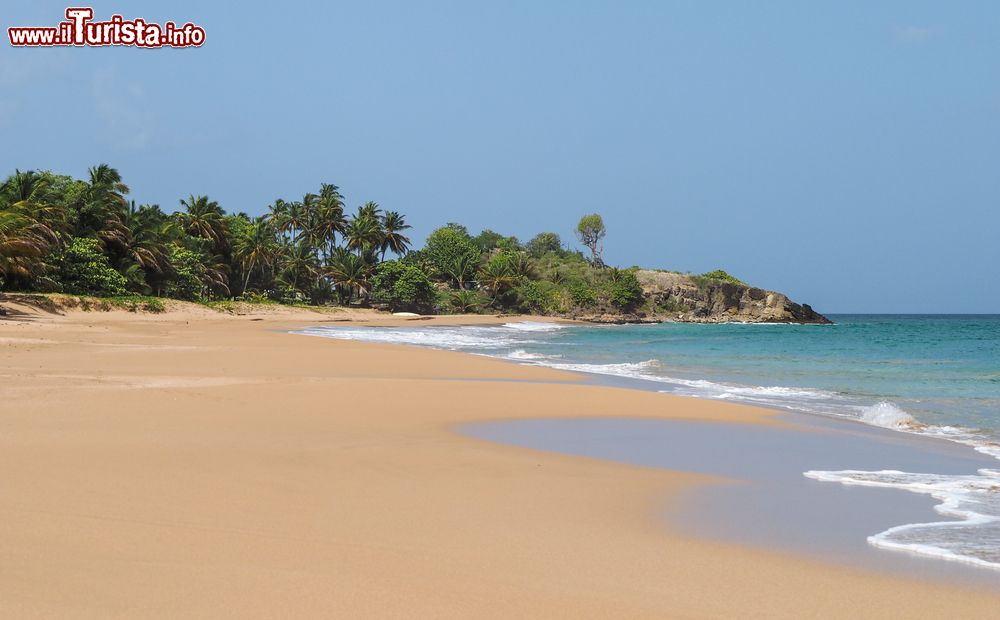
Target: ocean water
[{"x": 935, "y": 375}]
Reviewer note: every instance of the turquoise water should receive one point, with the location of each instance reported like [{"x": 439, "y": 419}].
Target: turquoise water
[{"x": 942, "y": 370}]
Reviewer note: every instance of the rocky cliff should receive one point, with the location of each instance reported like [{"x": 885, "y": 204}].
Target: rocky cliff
[
  {"x": 696, "y": 299},
  {"x": 681, "y": 297}
]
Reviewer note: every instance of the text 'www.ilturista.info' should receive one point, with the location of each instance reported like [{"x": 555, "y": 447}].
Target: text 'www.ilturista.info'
[{"x": 79, "y": 29}]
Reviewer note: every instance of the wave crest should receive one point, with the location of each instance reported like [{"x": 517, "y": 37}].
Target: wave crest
[
  {"x": 534, "y": 326},
  {"x": 888, "y": 415}
]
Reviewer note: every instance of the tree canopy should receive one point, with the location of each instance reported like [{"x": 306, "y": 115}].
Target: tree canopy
[
  {"x": 86, "y": 236},
  {"x": 590, "y": 230}
]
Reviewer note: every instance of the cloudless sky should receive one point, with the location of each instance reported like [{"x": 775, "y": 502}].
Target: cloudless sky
[{"x": 846, "y": 153}]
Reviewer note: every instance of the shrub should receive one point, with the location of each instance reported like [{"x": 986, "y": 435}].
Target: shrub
[
  {"x": 719, "y": 274},
  {"x": 138, "y": 302},
  {"x": 403, "y": 287},
  {"x": 466, "y": 301},
  {"x": 186, "y": 282},
  {"x": 152, "y": 304},
  {"x": 284, "y": 293},
  {"x": 536, "y": 297},
  {"x": 582, "y": 295},
  {"x": 135, "y": 280},
  {"x": 625, "y": 292},
  {"x": 84, "y": 270}
]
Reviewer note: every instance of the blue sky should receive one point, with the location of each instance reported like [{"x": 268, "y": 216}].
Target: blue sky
[{"x": 845, "y": 153}]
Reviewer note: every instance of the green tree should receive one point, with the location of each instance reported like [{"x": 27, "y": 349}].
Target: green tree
[
  {"x": 496, "y": 275},
  {"x": 255, "y": 247},
  {"x": 329, "y": 220},
  {"x": 84, "y": 270},
  {"x": 489, "y": 240},
  {"x": 299, "y": 265},
  {"x": 189, "y": 274},
  {"x": 30, "y": 226},
  {"x": 296, "y": 217},
  {"x": 364, "y": 230},
  {"x": 204, "y": 218},
  {"x": 208, "y": 233},
  {"x": 143, "y": 243},
  {"x": 452, "y": 252},
  {"x": 393, "y": 225},
  {"x": 582, "y": 295},
  {"x": 590, "y": 230},
  {"x": 543, "y": 243},
  {"x": 351, "y": 274},
  {"x": 535, "y": 297},
  {"x": 625, "y": 292},
  {"x": 402, "y": 287},
  {"x": 464, "y": 301},
  {"x": 277, "y": 216},
  {"x": 101, "y": 206}
]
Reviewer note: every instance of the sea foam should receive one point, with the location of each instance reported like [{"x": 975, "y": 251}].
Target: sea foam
[
  {"x": 534, "y": 326},
  {"x": 972, "y": 503},
  {"x": 472, "y": 338},
  {"x": 888, "y": 415}
]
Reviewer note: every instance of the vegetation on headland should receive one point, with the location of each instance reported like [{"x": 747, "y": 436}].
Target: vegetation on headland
[{"x": 85, "y": 237}]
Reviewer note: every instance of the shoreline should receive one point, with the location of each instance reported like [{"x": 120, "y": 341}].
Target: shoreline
[
  {"x": 214, "y": 466},
  {"x": 933, "y": 563},
  {"x": 779, "y": 508}
]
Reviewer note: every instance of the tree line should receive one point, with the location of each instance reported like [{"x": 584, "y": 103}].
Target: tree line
[{"x": 60, "y": 234}]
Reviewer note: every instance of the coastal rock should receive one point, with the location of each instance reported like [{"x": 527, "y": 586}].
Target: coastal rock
[
  {"x": 616, "y": 318},
  {"x": 692, "y": 299}
]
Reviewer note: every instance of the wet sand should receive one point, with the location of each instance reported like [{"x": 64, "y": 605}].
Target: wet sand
[{"x": 768, "y": 502}]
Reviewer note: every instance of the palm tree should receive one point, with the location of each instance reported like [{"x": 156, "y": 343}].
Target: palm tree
[
  {"x": 29, "y": 226},
  {"x": 30, "y": 193},
  {"x": 521, "y": 266},
  {"x": 363, "y": 233},
  {"x": 203, "y": 218},
  {"x": 465, "y": 301},
  {"x": 256, "y": 248},
  {"x": 495, "y": 276},
  {"x": 370, "y": 210},
  {"x": 329, "y": 219},
  {"x": 462, "y": 268},
  {"x": 144, "y": 231},
  {"x": 277, "y": 215},
  {"x": 329, "y": 190},
  {"x": 393, "y": 224},
  {"x": 295, "y": 220},
  {"x": 299, "y": 262},
  {"x": 350, "y": 272},
  {"x": 102, "y": 205},
  {"x": 216, "y": 276},
  {"x": 19, "y": 245}
]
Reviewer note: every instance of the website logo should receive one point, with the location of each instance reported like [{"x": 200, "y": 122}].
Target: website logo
[{"x": 80, "y": 30}]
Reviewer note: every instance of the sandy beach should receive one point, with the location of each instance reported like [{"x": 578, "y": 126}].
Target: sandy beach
[{"x": 200, "y": 465}]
